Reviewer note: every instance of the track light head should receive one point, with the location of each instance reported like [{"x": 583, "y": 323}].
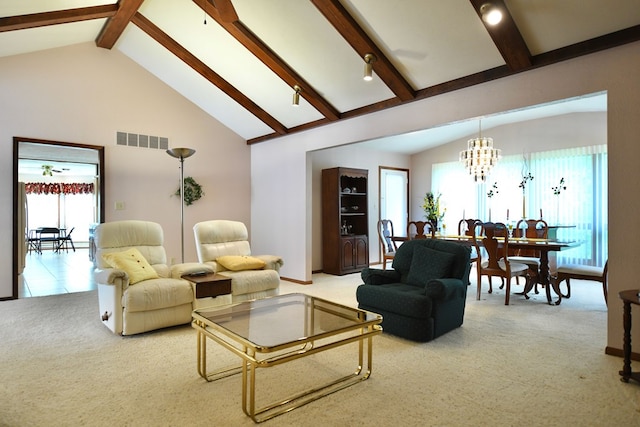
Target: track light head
[
  {"x": 491, "y": 14},
  {"x": 296, "y": 95},
  {"x": 369, "y": 59}
]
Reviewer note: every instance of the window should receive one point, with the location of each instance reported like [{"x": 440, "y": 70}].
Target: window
[{"x": 581, "y": 207}]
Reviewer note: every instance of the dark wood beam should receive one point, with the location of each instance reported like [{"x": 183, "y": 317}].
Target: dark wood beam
[
  {"x": 348, "y": 28},
  {"x": 608, "y": 41},
  {"x": 201, "y": 68},
  {"x": 225, "y": 9},
  {"x": 114, "y": 27},
  {"x": 258, "y": 48},
  {"x": 506, "y": 36},
  {"x": 23, "y": 22}
]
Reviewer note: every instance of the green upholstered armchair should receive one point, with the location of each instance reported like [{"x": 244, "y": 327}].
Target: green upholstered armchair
[{"x": 424, "y": 295}]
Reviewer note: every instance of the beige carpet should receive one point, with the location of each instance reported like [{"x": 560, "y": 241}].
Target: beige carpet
[{"x": 528, "y": 364}]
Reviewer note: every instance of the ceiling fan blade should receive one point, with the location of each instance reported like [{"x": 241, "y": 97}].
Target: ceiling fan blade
[{"x": 226, "y": 10}]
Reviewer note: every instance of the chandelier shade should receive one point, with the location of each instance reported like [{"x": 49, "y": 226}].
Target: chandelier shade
[{"x": 480, "y": 157}]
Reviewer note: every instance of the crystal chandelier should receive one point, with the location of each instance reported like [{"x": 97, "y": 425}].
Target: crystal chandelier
[{"x": 480, "y": 156}]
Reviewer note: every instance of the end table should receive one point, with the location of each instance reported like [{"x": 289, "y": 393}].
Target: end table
[
  {"x": 210, "y": 289},
  {"x": 628, "y": 297}
]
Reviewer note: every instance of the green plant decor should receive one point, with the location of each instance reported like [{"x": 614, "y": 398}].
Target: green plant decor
[
  {"x": 192, "y": 191},
  {"x": 431, "y": 207}
]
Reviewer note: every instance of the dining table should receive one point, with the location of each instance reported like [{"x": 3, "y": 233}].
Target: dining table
[
  {"x": 49, "y": 235},
  {"x": 544, "y": 246}
]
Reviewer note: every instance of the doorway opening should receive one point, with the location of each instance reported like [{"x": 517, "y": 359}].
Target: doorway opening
[
  {"x": 50, "y": 161},
  {"x": 394, "y": 198}
]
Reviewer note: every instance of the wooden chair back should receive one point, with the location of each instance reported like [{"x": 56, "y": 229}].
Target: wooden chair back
[
  {"x": 469, "y": 227},
  {"x": 420, "y": 230},
  {"x": 496, "y": 242},
  {"x": 533, "y": 229},
  {"x": 385, "y": 237}
]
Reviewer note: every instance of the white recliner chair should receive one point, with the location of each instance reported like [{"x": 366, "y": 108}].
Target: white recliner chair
[
  {"x": 142, "y": 292},
  {"x": 223, "y": 238}
]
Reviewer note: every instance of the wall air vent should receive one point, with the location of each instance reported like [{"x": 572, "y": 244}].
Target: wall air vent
[{"x": 142, "y": 141}]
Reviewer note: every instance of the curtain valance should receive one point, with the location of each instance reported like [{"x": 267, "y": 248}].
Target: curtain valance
[{"x": 59, "y": 188}]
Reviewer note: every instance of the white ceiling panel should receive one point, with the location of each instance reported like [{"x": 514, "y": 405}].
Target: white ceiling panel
[
  {"x": 227, "y": 57},
  {"x": 42, "y": 38},
  {"x": 446, "y": 40},
  {"x": 551, "y": 24},
  {"x": 314, "y": 49},
  {"x": 167, "y": 67}
]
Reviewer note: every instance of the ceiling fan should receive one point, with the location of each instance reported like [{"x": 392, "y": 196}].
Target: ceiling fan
[{"x": 47, "y": 170}]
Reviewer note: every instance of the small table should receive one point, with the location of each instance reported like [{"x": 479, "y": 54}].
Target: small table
[
  {"x": 275, "y": 330},
  {"x": 628, "y": 297},
  {"x": 208, "y": 286}
]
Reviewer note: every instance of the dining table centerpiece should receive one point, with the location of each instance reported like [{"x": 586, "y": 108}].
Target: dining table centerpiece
[{"x": 431, "y": 207}]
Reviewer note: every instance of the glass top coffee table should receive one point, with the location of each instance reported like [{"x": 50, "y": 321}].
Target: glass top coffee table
[{"x": 272, "y": 331}]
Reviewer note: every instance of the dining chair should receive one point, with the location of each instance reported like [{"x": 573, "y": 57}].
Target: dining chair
[
  {"x": 48, "y": 235},
  {"x": 33, "y": 241},
  {"x": 420, "y": 230},
  {"x": 385, "y": 236},
  {"x": 65, "y": 241},
  {"x": 472, "y": 227},
  {"x": 532, "y": 229},
  {"x": 566, "y": 272},
  {"x": 495, "y": 240}
]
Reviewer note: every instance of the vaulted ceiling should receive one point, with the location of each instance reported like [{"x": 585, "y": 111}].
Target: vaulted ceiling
[{"x": 239, "y": 60}]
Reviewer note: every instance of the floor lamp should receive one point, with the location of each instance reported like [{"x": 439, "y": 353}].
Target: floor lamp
[{"x": 181, "y": 153}]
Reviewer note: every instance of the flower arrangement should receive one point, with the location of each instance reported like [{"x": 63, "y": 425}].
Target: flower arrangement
[
  {"x": 431, "y": 207},
  {"x": 525, "y": 178},
  {"x": 557, "y": 190},
  {"x": 192, "y": 191}
]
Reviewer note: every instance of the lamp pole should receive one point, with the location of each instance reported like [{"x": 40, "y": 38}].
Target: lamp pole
[{"x": 181, "y": 154}]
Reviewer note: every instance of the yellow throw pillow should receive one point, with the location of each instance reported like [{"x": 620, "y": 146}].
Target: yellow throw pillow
[
  {"x": 133, "y": 263},
  {"x": 240, "y": 262}
]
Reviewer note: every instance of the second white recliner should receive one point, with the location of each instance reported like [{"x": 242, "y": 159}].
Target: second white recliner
[{"x": 218, "y": 238}]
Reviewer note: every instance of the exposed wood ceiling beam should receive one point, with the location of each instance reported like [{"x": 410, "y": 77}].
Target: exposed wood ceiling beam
[
  {"x": 201, "y": 68},
  {"x": 608, "y": 41},
  {"x": 507, "y": 37},
  {"x": 114, "y": 27},
  {"x": 256, "y": 46},
  {"x": 348, "y": 28},
  {"x": 35, "y": 20},
  {"x": 225, "y": 9}
]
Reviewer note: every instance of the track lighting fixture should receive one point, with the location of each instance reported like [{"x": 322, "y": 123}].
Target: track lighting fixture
[
  {"x": 490, "y": 14},
  {"x": 296, "y": 95},
  {"x": 369, "y": 59}
]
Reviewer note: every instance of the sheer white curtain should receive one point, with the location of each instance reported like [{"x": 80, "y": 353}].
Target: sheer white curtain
[
  {"x": 459, "y": 196},
  {"x": 582, "y": 205}
]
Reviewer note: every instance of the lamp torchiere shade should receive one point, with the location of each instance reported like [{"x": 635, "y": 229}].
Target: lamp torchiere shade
[{"x": 181, "y": 154}]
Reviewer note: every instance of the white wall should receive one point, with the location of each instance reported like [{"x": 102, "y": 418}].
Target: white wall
[
  {"x": 84, "y": 94},
  {"x": 614, "y": 71}
]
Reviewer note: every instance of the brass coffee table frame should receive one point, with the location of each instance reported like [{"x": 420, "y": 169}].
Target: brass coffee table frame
[{"x": 326, "y": 325}]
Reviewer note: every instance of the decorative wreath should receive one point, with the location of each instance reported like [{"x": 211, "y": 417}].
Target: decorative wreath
[{"x": 192, "y": 191}]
